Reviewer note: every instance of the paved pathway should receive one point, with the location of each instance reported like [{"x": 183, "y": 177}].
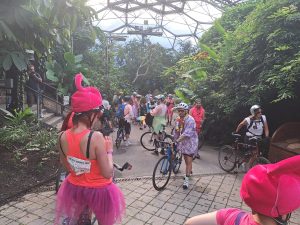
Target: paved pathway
[
  {"x": 210, "y": 190},
  {"x": 144, "y": 204}
]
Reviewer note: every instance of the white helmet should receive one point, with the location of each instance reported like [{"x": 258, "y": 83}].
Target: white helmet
[
  {"x": 182, "y": 105},
  {"x": 160, "y": 97},
  {"x": 253, "y": 109}
]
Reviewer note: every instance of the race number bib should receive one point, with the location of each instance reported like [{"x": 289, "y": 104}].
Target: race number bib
[{"x": 79, "y": 166}]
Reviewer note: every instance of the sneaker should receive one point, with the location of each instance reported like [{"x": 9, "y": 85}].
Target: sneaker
[
  {"x": 185, "y": 183},
  {"x": 155, "y": 152},
  {"x": 42, "y": 115},
  {"x": 129, "y": 143},
  {"x": 126, "y": 143}
]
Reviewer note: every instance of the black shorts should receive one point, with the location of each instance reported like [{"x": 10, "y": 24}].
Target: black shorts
[
  {"x": 127, "y": 127},
  {"x": 125, "y": 124}
]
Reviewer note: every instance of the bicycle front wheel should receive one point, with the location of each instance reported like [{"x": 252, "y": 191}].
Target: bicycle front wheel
[
  {"x": 147, "y": 141},
  {"x": 161, "y": 173},
  {"x": 227, "y": 158},
  {"x": 259, "y": 161}
]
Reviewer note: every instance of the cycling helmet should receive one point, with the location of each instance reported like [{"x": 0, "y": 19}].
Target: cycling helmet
[
  {"x": 253, "y": 109},
  {"x": 160, "y": 97},
  {"x": 273, "y": 189},
  {"x": 134, "y": 93},
  {"x": 85, "y": 98},
  {"x": 182, "y": 105},
  {"x": 126, "y": 98}
]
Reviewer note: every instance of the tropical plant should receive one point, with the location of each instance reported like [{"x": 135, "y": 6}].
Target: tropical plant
[
  {"x": 62, "y": 72},
  {"x": 20, "y": 116}
]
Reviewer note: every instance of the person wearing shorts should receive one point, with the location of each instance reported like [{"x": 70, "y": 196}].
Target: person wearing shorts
[{"x": 186, "y": 136}]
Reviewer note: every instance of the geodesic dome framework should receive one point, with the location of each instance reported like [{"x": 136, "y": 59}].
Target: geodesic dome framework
[{"x": 163, "y": 21}]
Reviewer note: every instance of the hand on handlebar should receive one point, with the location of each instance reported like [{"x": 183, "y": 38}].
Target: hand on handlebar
[{"x": 108, "y": 144}]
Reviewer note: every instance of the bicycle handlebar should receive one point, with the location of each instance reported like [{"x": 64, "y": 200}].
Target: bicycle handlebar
[{"x": 126, "y": 166}]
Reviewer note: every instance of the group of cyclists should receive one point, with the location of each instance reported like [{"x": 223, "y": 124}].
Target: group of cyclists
[{"x": 271, "y": 191}]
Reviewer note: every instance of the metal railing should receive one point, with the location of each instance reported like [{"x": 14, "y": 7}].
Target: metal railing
[{"x": 41, "y": 94}]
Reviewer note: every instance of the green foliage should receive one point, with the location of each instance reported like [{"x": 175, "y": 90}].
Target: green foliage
[
  {"x": 22, "y": 132},
  {"x": 62, "y": 72},
  {"x": 253, "y": 58},
  {"x": 19, "y": 116}
]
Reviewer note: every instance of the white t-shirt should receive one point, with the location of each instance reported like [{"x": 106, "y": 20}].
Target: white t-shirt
[
  {"x": 105, "y": 104},
  {"x": 257, "y": 126}
]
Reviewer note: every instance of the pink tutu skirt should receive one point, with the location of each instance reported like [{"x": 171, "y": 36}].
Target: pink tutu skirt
[{"x": 107, "y": 203}]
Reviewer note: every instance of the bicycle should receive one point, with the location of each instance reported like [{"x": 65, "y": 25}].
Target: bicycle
[
  {"x": 165, "y": 165},
  {"x": 150, "y": 143},
  {"x": 86, "y": 217},
  {"x": 239, "y": 153},
  {"x": 120, "y": 134}
]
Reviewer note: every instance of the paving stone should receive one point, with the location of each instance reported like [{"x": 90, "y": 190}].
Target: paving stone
[
  {"x": 216, "y": 205},
  {"x": 195, "y": 213},
  {"x": 187, "y": 204},
  {"x": 150, "y": 209},
  {"x": 28, "y": 218},
  {"x": 129, "y": 201},
  {"x": 234, "y": 204},
  {"x": 157, "y": 203},
  {"x": 165, "y": 214},
  {"x": 130, "y": 211},
  {"x": 14, "y": 223},
  {"x": 154, "y": 220},
  {"x": 138, "y": 204},
  {"x": 39, "y": 221},
  {"x": 7, "y": 211},
  {"x": 220, "y": 199},
  {"x": 177, "y": 219},
  {"x": 201, "y": 208},
  {"x": 182, "y": 211},
  {"x": 175, "y": 201},
  {"x": 134, "y": 221},
  {"x": 169, "y": 207},
  {"x": 23, "y": 204},
  {"x": 4, "y": 220},
  {"x": 145, "y": 198},
  {"x": 143, "y": 216}
]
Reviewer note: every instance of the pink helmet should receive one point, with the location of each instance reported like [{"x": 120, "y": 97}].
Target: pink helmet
[
  {"x": 85, "y": 98},
  {"x": 273, "y": 189}
]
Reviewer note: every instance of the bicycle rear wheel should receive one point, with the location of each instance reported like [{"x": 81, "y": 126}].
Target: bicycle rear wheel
[
  {"x": 258, "y": 161},
  {"x": 161, "y": 173},
  {"x": 227, "y": 158},
  {"x": 177, "y": 162},
  {"x": 147, "y": 141}
]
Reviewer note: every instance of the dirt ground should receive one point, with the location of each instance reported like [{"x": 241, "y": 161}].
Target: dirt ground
[{"x": 20, "y": 171}]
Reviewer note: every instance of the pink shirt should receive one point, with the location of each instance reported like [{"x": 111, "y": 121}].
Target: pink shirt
[{"x": 229, "y": 215}]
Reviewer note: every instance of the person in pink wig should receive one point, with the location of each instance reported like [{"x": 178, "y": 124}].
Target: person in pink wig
[
  {"x": 88, "y": 157},
  {"x": 272, "y": 192}
]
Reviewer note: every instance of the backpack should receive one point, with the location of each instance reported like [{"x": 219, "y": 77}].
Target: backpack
[
  {"x": 120, "y": 111},
  {"x": 252, "y": 121}
]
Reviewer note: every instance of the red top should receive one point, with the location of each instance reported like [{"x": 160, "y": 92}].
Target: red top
[
  {"x": 198, "y": 115},
  {"x": 92, "y": 179}
]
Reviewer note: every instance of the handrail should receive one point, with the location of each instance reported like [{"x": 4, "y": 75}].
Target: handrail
[{"x": 47, "y": 97}]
